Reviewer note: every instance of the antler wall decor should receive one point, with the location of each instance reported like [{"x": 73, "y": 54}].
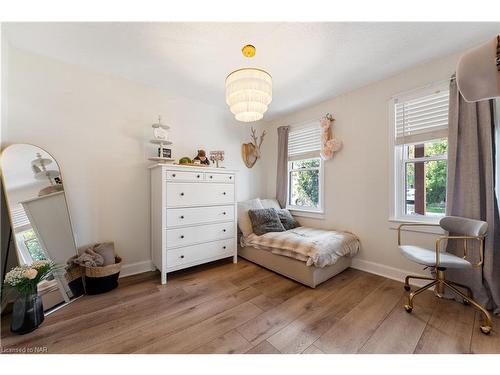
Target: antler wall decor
[{"x": 250, "y": 152}]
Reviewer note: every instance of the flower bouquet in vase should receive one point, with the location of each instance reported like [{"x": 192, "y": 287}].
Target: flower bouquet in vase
[{"x": 27, "y": 313}]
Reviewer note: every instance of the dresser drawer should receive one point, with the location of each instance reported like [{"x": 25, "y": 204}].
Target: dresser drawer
[
  {"x": 196, "y": 253},
  {"x": 185, "y": 176},
  {"x": 219, "y": 177},
  {"x": 191, "y": 235},
  {"x": 199, "y": 215},
  {"x": 185, "y": 194}
]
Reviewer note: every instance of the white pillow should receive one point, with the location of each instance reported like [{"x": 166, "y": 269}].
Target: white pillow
[
  {"x": 244, "y": 222},
  {"x": 270, "y": 203}
]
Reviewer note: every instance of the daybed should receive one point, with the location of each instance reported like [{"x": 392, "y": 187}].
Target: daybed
[{"x": 307, "y": 255}]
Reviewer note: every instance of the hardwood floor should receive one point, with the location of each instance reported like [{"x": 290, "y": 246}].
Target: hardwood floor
[{"x": 242, "y": 308}]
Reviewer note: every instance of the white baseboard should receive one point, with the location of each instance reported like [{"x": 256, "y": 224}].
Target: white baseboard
[
  {"x": 135, "y": 268},
  {"x": 387, "y": 271}
]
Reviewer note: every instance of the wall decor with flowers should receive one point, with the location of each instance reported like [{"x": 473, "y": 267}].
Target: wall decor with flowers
[{"x": 329, "y": 144}]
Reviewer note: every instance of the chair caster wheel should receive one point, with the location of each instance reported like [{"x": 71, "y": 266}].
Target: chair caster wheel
[
  {"x": 408, "y": 309},
  {"x": 466, "y": 303},
  {"x": 485, "y": 329},
  {"x": 407, "y": 288}
]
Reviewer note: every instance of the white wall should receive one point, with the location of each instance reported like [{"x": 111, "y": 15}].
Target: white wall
[
  {"x": 97, "y": 127},
  {"x": 357, "y": 180},
  {"x": 24, "y": 192}
]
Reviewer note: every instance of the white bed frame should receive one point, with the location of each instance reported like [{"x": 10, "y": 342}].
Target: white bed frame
[{"x": 292, "y": 268}]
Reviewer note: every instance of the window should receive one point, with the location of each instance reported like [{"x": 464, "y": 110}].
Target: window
[
  {"x": 305, "y": 169},
  {"x": 28, "y": 245},
  {"x": 420, "y": 123}
]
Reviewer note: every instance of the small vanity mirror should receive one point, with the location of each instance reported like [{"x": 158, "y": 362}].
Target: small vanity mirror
[{"x": 39, "y": 216}]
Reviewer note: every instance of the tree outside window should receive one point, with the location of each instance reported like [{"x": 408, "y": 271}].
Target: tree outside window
[
  {"x": 304, "y": 183},
  {"x": 426, "y": 178}
]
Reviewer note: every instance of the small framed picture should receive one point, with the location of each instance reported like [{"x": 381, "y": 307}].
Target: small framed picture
[{"x": 164, "y": 152}]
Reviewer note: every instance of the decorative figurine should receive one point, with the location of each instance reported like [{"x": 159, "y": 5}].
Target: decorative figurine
[
  {"x": 202, "y": 157},
  {"x": 160, "y": 131},
  {"x": 250, "y": 152},
  {"x": 160, "y": 137}
]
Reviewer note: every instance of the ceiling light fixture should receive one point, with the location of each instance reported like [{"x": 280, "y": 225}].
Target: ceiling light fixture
[{"x": 249, "y": 91}]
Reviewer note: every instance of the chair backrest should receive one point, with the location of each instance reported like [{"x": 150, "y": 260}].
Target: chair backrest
[{"x": 463, "y": 226}]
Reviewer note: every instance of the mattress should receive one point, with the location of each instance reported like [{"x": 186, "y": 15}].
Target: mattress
[{"x": 315, "y": 247}]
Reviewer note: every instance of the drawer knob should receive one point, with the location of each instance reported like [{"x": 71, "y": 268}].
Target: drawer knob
[
  {"x": 182, "y": 217},
  {"x": 230, "y": 177},
  {"x": 224, "y": 213},
  {"x": 211, "y": 176},
  {"x": 182, "y": 194},
  {"x": 198, "y": 176},
  {"x": 173, "y": 175},
  {"x": 182, "y": 236},
  {"x": 223, "y": 230},
  {"x": 224, "y": 193},
  {"x": 182, "y": 256},
  {"x": 223, "y": 247}
]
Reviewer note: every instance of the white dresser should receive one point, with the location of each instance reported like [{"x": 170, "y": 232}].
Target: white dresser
[{"x": 193, "y": 216}]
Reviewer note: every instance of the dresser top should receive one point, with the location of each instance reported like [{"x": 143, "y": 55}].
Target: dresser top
[{"x": 176, "y": 167}]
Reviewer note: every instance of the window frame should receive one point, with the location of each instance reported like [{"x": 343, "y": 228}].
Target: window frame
[
  {"x": 397, "y": 198},
  {"x": 298, "y": 210}
]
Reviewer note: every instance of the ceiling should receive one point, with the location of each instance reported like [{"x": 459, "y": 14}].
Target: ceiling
[{"x": 309, "y": 62}]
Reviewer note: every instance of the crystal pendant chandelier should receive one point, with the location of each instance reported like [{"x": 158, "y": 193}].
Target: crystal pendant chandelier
[{"x": 249, "y": 91}]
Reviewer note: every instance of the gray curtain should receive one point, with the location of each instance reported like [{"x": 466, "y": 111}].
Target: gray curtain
[
  {"x": 471, "y": 189},
  {"x": 282, "y": 167}
]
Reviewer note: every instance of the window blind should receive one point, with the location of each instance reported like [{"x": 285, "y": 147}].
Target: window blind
[
  {"x": 421, "y": 119},
  {"x": 20, "y": 221},
  {"x": 304, "y": 143}
]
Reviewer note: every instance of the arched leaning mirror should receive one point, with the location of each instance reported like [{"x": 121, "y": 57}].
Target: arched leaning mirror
[{"x": 39, "y": 217}]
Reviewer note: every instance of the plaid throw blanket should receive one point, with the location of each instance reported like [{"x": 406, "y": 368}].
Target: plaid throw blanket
[{"x": 316, "y": 247}]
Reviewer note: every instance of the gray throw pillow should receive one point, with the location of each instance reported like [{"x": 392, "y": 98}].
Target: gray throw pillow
[
  {"x": 265, "y": 220},
  {"x": 286, "y": 218}
]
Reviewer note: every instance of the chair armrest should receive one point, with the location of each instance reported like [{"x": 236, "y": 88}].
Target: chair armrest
[
  {"x": 413, "y": 225},
  {"x": 464, "y": 238}
]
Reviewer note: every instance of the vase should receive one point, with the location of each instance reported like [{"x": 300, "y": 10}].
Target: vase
[{"x": 27, "y": 313}]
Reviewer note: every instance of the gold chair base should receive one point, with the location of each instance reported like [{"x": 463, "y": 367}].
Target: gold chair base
[{"x": 441, "y": 283}]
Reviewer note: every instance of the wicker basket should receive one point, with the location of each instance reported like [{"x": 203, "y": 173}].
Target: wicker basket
[
  {"x": 102, "y": 279},
  {"x": 74, "y": 278}
]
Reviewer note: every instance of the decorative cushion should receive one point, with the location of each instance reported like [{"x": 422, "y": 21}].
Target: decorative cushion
[
  {"x": 265, "y": 220},
  {"x": 244, "y": 222},
  {"x": 270, "y": 203},
  {"x": 286, "y": 218},
  {"x": 107, "y": 251}
]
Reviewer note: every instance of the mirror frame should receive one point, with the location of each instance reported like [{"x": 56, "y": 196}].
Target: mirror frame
[{"x": 67, "y": 300}]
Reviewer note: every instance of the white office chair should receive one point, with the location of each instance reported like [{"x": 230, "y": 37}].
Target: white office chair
[{"x": 462, "y": 229}]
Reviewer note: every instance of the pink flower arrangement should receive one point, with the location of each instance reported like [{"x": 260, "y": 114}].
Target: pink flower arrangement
[
  {"x": 329, "y": 144},
  {"x": 333, "y": 144},
  {"x": 325, "y": 123},
  {"x": 326, "y": 154},
  {"x": 30, "y": 273}
]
